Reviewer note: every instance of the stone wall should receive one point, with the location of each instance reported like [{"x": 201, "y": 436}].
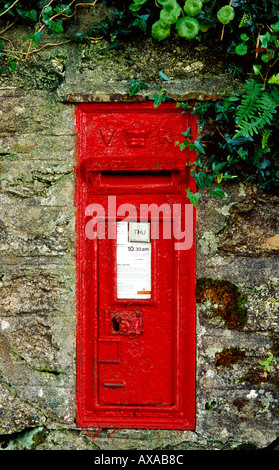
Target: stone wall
[{"x": 237, "y": 259}]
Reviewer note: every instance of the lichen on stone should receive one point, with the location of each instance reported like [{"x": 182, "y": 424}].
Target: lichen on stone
[
  {"x": 223, "y": 299},
  {"x": 228, "y": 357}
]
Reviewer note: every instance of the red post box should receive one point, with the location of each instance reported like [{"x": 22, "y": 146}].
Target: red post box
[{"x": 136, "y": 268}]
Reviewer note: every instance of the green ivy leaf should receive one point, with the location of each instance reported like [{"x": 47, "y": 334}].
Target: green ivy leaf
[
  {"x": 200, "y": 178},
  {"x": 136, "y": 87},
  {"x": 47, "y": 12},
  {"x": 193, "y": 197},
  {"x": 266, "y": 39},
  {"x": 36, "y": 37},
  {"x": 79, "y": 36},
  {"x": 198, "y": 162},
  {"x": 216, "y": 167},
  {"x": 9, "y": 12},
  {"x": 275, "y": 27},
  {"x": 141, "y": 21},
  {"x": 257, "y": 69},
  {"x": 185, "y": 144},
  {"x": 67, "y": 9},
  {"x": 163, "y": 76},
  {"x": 266, "y": 57},
  {"x": 264, "y": 164},
  {"x": 157, "y": 101},
  {"x": 218, "y": 192},
  {"x": 56, "y": 26},
  {"x": 187, "y": 133},
  {"x": 134, "y": 7},
  {"x": 32, "y": 15},
  {"x": 198, "y": 147}
]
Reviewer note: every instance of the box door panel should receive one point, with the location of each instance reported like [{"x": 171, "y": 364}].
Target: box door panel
[{"x": 141, "y": 370}]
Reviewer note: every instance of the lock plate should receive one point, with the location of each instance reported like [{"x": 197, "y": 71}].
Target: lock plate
[{"x": 125, "y": 323}]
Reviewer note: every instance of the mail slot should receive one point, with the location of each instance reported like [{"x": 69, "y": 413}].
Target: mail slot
[
  {"x": 126, "y": 181},
  {"x": 136, "y": 268}
]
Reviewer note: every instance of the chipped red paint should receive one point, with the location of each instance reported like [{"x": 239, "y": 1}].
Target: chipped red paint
[{"x": 135, "y": 357}]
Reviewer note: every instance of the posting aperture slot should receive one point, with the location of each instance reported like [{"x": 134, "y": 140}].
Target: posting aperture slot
[{"x": 135, "y": 181}]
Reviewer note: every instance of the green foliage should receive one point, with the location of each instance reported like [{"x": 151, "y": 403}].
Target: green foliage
[
  {"x": 244, "y": 145},
  {"x": 136, "y": 86},
  {"x": 256, "y": 109},
  {"x": 226, "y": 14},
  {"x": 50, "y": 16},
  {"x": 203, "y": 178},
  {"x": 192, "y": 7},
  {"x": 266, "y": 365},
  {"x": 246, "y": 127},
  {"x": 249, "y": 102},
  {"x": 193, "y": 197},
  {"x": 244, "y": 32},
  {"x": 247, "y": 29},
  {"x": 246, "y": 135},
  {"x": 160, "y": 30},
  {"x": 266, "y": 108},
  {"x": 160, "y": 96},
  {"x": 243, "y": 26},
  {"x": 187, "y": 27},
  {"x": 274, "y": 79},
  {"x": 180, "y": 14}
]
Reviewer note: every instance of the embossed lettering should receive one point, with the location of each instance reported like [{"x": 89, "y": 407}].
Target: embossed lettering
[
  {"x": 107, "y": 134},
  {"x": 165, "y": 136},
  {"x": 136, "y": 137}
]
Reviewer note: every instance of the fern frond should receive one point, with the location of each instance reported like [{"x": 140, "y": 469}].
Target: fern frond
[
  {"x": 266, "y": 101},
  {"x": 265, "y": 137},
  {"x": 274, "y": 93},
  {"x": 274, "y": 79},
  {"x": 249, "y": 102},
  {"x": 268, "y": 107}
]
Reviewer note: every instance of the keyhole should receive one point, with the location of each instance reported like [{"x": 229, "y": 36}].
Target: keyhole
[{"x": 115, "y": 324}]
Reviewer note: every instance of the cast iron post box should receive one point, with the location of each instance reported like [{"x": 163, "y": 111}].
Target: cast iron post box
[{"x": 136, "y": 268}]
